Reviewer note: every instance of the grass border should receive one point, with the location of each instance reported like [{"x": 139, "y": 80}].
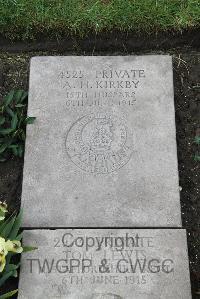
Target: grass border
[{"x": 25, "y": 20}]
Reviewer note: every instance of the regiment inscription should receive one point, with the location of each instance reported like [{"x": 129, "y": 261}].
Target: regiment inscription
[{"x": 107, "y": 87}]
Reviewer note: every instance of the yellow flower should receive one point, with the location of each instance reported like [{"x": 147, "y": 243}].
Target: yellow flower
[
  {"x": 3, "y": 253},
  {"x": 3, "y": 207},
  {"x": 2, "y": 216},
  {"x": 14, "y": 246},
  {"x": 3, "y": 210},
  {"x": 8, "y": 246},
  {"x": 2, "y": 262},
  {"x": 3, "y": 247}
]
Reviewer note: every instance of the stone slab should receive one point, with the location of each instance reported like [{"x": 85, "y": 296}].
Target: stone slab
[
  {"x": 105, "y": 264},
  {"x": 102, "y": 151}
]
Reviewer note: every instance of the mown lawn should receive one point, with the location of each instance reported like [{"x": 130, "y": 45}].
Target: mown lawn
[{"x": 24, "y": 19}]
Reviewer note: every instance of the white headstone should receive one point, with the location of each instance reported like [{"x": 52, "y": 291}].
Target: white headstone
[{"x": 102, "y": 151}]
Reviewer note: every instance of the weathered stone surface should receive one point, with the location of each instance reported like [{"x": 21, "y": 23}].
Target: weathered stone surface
[
  {"x": 105, "y": 264},
  {"x": 102, "y": 151}
]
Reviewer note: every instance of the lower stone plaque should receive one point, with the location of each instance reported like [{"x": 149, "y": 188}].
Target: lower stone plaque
[{"x": 105, "y": 264}]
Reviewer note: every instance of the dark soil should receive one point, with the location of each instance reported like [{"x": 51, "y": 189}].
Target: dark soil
[
  {"x": 106, "y": 42},
  {"x": 14, "y": 67}
]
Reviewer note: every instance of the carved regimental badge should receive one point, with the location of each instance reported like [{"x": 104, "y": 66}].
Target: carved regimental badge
[{"x": 99, "y": 143}]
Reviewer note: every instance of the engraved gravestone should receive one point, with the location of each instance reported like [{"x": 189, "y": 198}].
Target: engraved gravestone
[
  {"x": 102, "y": 151},
  {"x": 105, "y": 264}
]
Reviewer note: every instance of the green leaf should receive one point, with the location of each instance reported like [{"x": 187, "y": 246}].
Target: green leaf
[
  {"x": 3, "y": 225},
  {"x": 2, "y": 160},
  {"x": 9, "y": 294},
  {"x": 2, "y": 213},
  {"x": 8, "y": 258},
  {"x": 3, "y": 147},
  {"x": 24, "y": 96},
  {"x": 5, "y": 233},
  {"x": 2, "y": 120},
  {"x": 6, "y": 131},
  {"x": 20, "y": 105},
  {"x": 23, "y": 135},
  {"x": 5, "y": 277},
  {"x": 197, "y": 158},
  {"x": 15, "y": 274},
  {"x": 30, "y": 120},
  {"x": 20, "y": 150},
  {"x": 8, "y": 98},
  {"x": 14, "y": 122},
  {"x": 19, "y": 237},
  {"x": 197, "y": 140},
  {"x": 9, "y": 111},
  {"x": 18, "y": 95},
  {"x": 14, "y": 148},
  {"x": 16, "y": 226},
  {"x": 29, "y": 248},
  {"x": 11, "y": 267}
]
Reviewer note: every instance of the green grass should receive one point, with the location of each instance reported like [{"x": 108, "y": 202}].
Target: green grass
[{"x": 24, "y": 19}]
